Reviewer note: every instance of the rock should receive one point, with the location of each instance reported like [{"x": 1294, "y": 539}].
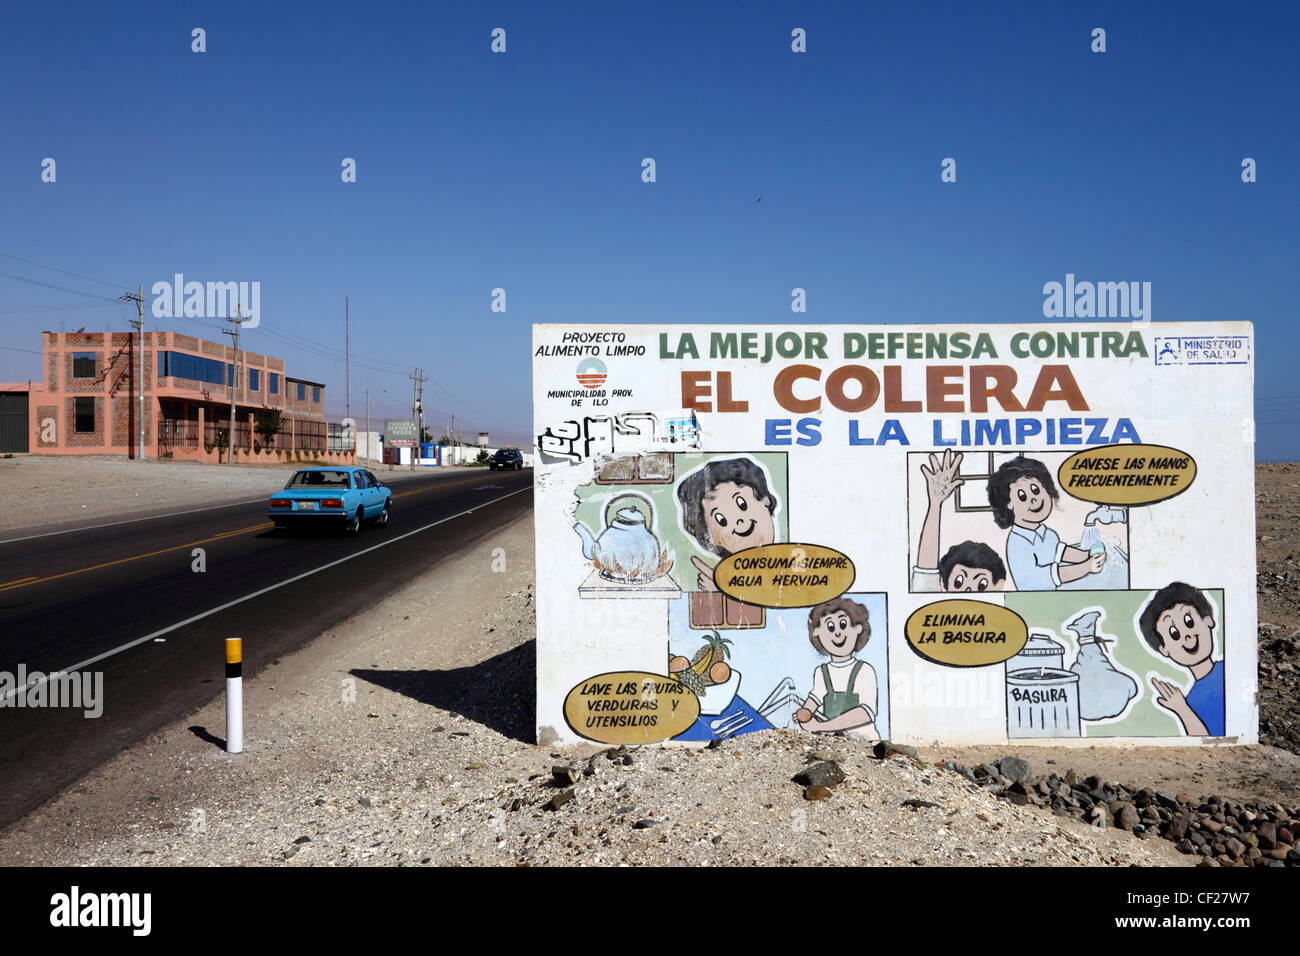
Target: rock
[
  {"x": 1266, "y": 833},
  {"x": 1071, "y": 778},
  {"x": 516, "y": 804},
  {"x": 1284, "y": 835},
  {"x": 301, "y": 840},
  {"x": 627, "y": 760},
  {"x": 986, "y": 770},
  {"x": 816, "y": 792},
  {"x": 1127, "y": 816},
  {"x": 1092, "y": 783},
  {"x": 1183, "y": 799},
  {"x": 887, "y": 748},
  {"x": 645, "y": 823},
  {"x": 1019, "y": 799},
  {"x": 1234, "y": 847},
  {"x": 1213, "y": 826},
  {"x": 1185, "y": 846},
  {"x": 825, "y": 774},
  {"x": 1014, "y": 768},
  {"x": 918, "y": 804},
  {"x": 289, "y": 853},
  {"x": 1177, "y": 829},
  {"x": 564, "y": 776},
  {"x": 1168, "y": 800},
  {"x": 968, "y": 773},
  {"x": 364, "y": 801},
  {"x": 560, "y": 799}
]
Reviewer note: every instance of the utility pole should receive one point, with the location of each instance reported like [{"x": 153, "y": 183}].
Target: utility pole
[
  {"x": 237, "y": 321},
  {"x": 138, "y": 325},
  {"x": 367, "y": 424},
  {"x": 417, "y": 394},
  {"x": 347, "y": 365}
]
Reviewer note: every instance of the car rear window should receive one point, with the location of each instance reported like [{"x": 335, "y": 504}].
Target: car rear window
[{"x": 319, "y": 479}]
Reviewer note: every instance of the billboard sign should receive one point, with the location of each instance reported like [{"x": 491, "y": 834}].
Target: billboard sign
[
  {"x": 962, "y": 534},
  {"x": 400, "y": 432}
]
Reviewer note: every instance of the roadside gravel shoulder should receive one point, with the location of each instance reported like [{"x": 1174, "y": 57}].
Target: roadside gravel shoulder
[
  {"x": 430, "y": 764},
  {"x": 68, "y": 492}
]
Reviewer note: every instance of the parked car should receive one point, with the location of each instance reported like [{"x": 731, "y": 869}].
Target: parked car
[
  {"x": 321, "y": 496},
  {"x": 506, "y": 458}
]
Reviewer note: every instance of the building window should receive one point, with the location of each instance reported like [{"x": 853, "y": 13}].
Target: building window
[
  {"x": 302, "y": 392},
  {"x": 83, "y": 365},
  {"x": 194, "y": 367},
  {"x": 275, "y": 382},
  {"x": 85, "y": 414},
  {"x": 254, "y": 379},
  {"x": 315, "y": 394}
]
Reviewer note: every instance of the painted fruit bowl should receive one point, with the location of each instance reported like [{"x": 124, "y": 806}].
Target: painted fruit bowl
[{"x": 719, "y": 697}]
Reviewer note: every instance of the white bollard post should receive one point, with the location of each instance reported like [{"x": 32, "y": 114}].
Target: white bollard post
[{"x": 234, "y": 695}]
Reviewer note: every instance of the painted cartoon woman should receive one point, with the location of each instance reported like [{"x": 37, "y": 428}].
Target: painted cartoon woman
[
  {"x": 843, "y": 695},
  {"x": 727, "y": 507}
]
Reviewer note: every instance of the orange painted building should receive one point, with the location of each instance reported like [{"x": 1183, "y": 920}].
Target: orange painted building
[{"x": 90, "y": 403}]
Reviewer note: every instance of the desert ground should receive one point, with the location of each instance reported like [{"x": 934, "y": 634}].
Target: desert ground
[{"x": 405, "y": 738}]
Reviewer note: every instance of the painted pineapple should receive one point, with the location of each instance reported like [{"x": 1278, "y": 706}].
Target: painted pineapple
[{"x": 707, "y": 668}]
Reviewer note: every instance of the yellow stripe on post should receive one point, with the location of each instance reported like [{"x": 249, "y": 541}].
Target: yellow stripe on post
[{"x": 234, "y": 650}]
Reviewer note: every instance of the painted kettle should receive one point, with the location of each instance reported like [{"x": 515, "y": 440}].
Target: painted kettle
[{"x": 626, "y": 551}]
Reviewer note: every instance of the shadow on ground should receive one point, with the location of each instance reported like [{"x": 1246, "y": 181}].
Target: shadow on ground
[
  {"x": 500, "y": 693},
  {"x": 206, "y": 735}
]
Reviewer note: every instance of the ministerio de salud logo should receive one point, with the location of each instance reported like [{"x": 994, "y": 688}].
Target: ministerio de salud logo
[{"x": 591, "y": 373}]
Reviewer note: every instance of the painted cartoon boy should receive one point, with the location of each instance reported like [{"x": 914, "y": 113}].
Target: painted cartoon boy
[
  {"x": 1178, "y": 623},
  {"x": 967, "y": 566},
  {"x": 843, "y": 695},
  {"x": 1022, "y": 495},
  {"x": 727, "y": 507}
]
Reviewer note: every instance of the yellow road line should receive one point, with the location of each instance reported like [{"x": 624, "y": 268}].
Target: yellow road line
[{"x": 25, "y": 582}]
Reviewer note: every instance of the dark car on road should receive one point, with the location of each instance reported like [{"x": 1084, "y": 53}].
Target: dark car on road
[{"x": 506, "y": 458}]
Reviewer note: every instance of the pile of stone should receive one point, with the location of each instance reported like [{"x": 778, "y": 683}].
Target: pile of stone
[{"x": 1222, "y": 832}]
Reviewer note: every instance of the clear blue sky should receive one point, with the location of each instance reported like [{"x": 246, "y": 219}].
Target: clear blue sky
[{"x": 523, "y": 171}]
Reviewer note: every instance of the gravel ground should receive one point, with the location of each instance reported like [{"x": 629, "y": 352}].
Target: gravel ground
[
  {"x": 58, "y": 489},
  {"x": 432, "y": 764}
]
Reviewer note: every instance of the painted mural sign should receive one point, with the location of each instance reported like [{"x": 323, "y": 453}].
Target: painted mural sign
[{"x": 928, "y": 533}]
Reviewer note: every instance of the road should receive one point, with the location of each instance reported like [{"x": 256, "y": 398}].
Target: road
[{"x": 126, "y": 600}]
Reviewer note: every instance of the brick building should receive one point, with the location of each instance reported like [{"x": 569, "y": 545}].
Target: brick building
[{"x": 90, "y": 400}]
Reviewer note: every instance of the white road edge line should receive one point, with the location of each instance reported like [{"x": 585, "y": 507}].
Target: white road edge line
[{"x": 248, "y": 597}]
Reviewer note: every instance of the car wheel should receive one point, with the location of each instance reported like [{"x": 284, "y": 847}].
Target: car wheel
[
  {"x": 382, "y": 520},
  {"x": 354, "y": 524},
  {"x": 518, "y": 465}
]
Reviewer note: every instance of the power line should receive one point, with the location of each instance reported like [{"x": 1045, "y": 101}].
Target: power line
[
  {"x": 77, "y": 275},
  {"x": 61, "y": 288}
]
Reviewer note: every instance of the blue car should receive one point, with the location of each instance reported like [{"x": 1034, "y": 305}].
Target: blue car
[{"x": 321, "y": 496}]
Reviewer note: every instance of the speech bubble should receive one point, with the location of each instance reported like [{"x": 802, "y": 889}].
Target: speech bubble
[
  {"x": 785, "y": 575},
  {"x": 1127, "y": 474},
  {"x": 630, "y": 707},
  {"x": 962, "y": 633}
]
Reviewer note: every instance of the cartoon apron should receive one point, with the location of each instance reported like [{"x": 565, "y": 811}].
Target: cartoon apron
[{"x": 839, "y": 701}]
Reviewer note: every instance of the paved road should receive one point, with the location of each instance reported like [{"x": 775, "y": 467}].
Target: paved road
[{"x": 126, "y": 601}]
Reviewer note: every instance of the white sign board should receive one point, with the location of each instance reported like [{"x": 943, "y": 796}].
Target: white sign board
[{"x": 962, "y": 534}]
